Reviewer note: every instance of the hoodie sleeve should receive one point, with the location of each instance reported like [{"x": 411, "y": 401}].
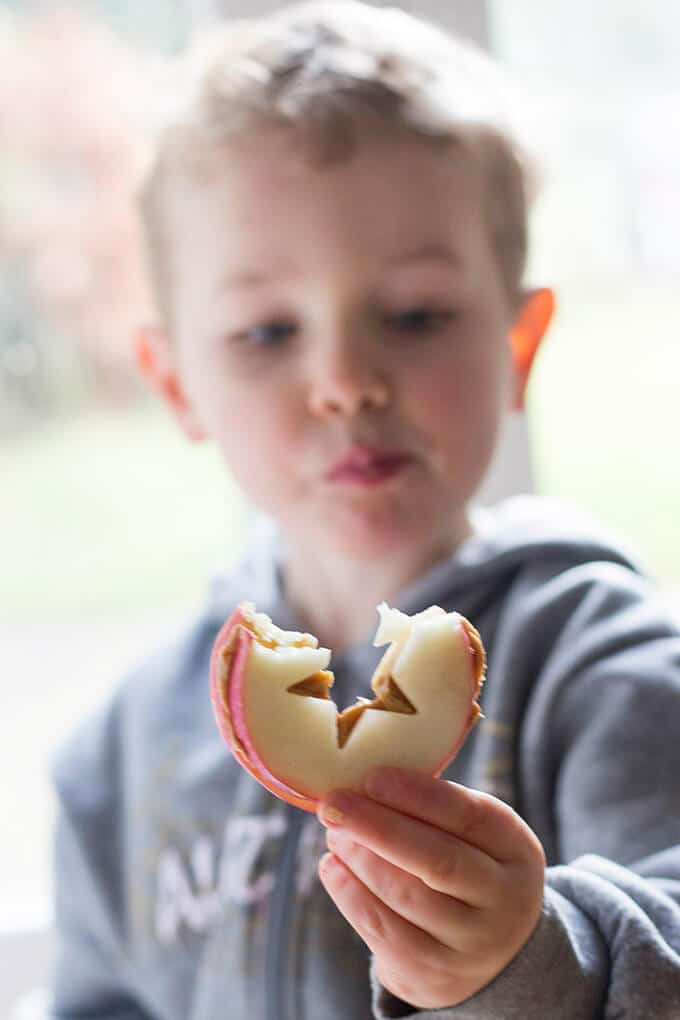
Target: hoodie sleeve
[
  {"x": 599, "y": 767},
  {"x": 91, "y": 974}
]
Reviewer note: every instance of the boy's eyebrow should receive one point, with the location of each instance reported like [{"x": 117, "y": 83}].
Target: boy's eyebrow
[
  {"x": 258, "y": 277},
  {"x": 425, "y": 253},
  {"x": 253, "y": 277}
]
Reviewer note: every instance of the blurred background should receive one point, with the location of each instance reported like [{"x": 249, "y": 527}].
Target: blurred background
[{"x": 111, "y": 524}]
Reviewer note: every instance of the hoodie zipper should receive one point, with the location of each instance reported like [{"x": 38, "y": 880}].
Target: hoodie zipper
[{"x": 282, "y": 900}]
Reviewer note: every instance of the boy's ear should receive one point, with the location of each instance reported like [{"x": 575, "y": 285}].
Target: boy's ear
[
  {"x": 531, "y": 325},
  {"x": 154, "y": 358}
]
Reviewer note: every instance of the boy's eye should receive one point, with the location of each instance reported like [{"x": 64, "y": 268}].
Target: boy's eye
[
  {"x": 420, "y": 319},
  {"x": 267, "y": 334}
]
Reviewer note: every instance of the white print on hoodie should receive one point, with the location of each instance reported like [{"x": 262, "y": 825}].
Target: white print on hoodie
[{"x": 193, "y": 889}]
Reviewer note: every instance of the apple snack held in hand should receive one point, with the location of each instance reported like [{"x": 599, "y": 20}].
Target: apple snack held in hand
[{"x": 270, "y": 694}]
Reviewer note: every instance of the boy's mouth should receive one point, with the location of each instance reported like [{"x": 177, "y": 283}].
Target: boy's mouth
[{"x": 364, "y": 465}]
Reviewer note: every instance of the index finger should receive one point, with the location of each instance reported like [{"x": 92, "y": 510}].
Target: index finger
[{"x": 472, "y": 816}]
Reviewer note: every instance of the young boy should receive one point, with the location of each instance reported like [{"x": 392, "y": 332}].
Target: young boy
[{"x": 337, "y": 232}]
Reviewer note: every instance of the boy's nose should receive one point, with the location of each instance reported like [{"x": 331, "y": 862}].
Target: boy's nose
[{"x": 347, "y": 385}]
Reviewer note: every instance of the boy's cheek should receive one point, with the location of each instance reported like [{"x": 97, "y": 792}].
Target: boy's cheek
[{"x": 261, "y": 458}]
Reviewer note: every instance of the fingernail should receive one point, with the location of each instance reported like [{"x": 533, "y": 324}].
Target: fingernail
[
  {"x": 332, "y": 815},
  {"x": 335, "y": 813}
]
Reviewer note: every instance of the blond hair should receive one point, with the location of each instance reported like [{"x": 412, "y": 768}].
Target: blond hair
[{"x": 321, "y": 69}]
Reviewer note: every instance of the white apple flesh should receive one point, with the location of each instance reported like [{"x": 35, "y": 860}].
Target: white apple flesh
[{"x": 270, "y": 691}]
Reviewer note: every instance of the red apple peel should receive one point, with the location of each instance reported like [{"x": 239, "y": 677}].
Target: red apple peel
[{"x": 426, "y": 687}]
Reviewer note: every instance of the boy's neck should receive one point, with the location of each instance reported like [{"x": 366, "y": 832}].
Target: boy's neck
[{"x": 336, "y": 600}]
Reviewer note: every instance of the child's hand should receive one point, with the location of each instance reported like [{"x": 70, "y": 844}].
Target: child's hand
[{"x": 444, "y": 884}]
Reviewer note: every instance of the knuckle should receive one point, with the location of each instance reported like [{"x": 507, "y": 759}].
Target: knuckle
[
  {"x": 441, "y": 870},
  {"x": 373, "y": 926},
  {"x": 402, "y": 895},
  {"x": 387, "y": 887},
  {"x": 474, "y": 814}
]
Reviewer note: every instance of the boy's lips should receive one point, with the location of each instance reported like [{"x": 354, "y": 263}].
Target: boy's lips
[{"x": 365, "y": 465}]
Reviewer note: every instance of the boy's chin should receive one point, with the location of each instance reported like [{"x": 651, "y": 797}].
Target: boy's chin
[{"x": 374, "y": 541}]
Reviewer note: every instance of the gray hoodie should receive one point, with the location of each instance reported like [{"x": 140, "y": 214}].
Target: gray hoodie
[{"x": 186, "y": 892}]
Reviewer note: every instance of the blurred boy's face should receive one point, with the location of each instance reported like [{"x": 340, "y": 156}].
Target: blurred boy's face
[{"x": 342, "y": 334}]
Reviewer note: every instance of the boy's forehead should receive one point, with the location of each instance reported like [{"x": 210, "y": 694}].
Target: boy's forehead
[{"x": 398, "y": 198}]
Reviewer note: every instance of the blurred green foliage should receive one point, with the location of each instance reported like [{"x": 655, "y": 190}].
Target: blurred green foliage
[{"x": 112, "y": 511}]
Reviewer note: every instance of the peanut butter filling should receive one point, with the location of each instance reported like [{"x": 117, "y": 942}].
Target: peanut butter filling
[
  {"x": 389, "y": 698},
  {"x": 478, "y": 652},
  {"x": 314, "y": 686}
]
